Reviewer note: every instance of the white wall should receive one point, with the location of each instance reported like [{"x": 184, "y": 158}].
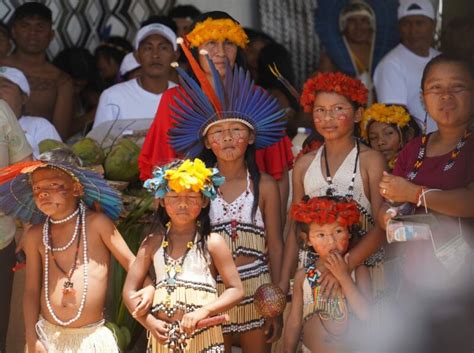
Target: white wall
[{"x": 244, "y": 11}]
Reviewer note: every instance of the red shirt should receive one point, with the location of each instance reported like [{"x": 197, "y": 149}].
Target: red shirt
[{"x": 157, "y": 151}]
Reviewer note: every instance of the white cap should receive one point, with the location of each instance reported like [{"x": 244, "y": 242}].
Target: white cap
[
  {"x": 416, "y": 7},
  {"x": 129, "y": 63},
  {"x": 17, "y": 77},
  {"x": 156, "y": 28}
]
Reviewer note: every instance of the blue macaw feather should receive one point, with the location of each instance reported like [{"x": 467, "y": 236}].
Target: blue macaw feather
[
  {"x": 198, "y": 97},
  {"x": 217, "y": 81}
]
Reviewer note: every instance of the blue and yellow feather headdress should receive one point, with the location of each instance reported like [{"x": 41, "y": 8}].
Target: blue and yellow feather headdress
[{"x": 237, "y": 98}]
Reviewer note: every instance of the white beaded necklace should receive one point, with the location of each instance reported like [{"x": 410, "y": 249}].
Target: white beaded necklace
[
  {"x": 82, "y": 215},
  {"x": 74, "y": 235}
]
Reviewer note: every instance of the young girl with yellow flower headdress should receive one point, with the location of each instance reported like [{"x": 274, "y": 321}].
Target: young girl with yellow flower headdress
[
  {"x": 387, "y": 128},
  {"x": 342, "y": 166},
  {"x": 186, "y": 258}
]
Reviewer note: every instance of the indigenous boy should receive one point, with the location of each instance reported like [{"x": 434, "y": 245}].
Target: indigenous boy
[{"x": 68, "y": 254}]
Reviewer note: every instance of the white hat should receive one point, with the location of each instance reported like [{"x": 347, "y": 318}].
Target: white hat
[
  {"x": 129, "y": 63},
  {"x": 156, "y": 28},
  {"x": 17, "y": 77},
  {"x": 416, "y": 7}
]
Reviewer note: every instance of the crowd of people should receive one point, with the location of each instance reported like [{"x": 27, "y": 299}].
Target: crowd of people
[{"x": 387, "y": 175}]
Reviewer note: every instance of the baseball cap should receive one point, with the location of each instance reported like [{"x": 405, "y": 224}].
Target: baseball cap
[
  {"x": 416, "y": 7},
  {"x": 156, "y": 28},
  {"x": 129, "y": 63},
  {"x": 17, "y": 77}
]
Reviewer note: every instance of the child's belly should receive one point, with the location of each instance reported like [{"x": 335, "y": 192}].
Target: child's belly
[
  {"x": 316, "y": 337},
  {"x": 66, "y": 303}
]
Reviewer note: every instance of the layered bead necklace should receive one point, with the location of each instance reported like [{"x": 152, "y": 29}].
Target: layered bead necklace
[
  {"x": 68, "y": 285},
  {"x": 452, "y": 158}
]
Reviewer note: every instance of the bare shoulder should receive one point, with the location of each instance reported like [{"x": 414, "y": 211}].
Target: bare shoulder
[
  {"x": 371, "y": 158},
  {"x": 215, "y": 242},
  {"x": 34, "y": 235},
  {"x": 151, "y": 243},
  {"x": 98, "y": 219},
  {"x": 303, "y": 162}
]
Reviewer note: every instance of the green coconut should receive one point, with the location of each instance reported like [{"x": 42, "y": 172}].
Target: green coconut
[
  {"x": 89, "y": 151},
  {"x": 121, "y": 163},
  {"x": 49, "y": 144}
]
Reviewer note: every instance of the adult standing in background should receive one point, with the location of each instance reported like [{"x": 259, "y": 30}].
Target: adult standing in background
[
  {"x": 397, "y": 77},
  {"x": 5, "y": 40},
  {"x": 13, "y": 148},
  {"x": 51, "y": 89}
]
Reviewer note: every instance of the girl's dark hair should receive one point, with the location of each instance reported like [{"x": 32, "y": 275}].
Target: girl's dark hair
[
  {"x": 217, "y": 15},
  {"x": 444, "y": 59},
  {"x": 184, "y": 11},
  {"x": 77, "y": 62},
  {"x": 203, "y": 221},
  {"x": 114, "y": 48},
  {"x": 209, "y": 158}
]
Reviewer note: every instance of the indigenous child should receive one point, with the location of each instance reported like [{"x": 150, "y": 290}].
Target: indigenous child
[
  {"x": 224, "y": 39},
  {"x": 68, "y": 253},
  {"x": 387, "y": 128},
  {"x": 186, "y": 258},
  {"x": 225, "y": 122},
  {"x": 327, "y": 225},
  {"x": 341, "y": 167},
  {"x": 435, "y": 172}
]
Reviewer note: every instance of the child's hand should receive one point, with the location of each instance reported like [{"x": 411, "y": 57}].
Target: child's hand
[
  {"x": 146, "y": 300},
  {"x": 158, "y": 328},
  {"x": 328, "y": 283},
  {"x": 272, "y": 328},
  {"x": 338, "y": 267},
  {"x": 189, "y": 320}
]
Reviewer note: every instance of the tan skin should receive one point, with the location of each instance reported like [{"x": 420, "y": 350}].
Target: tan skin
[
  {"x": 56, "y": 195},
  {"x": 5, "y": 44},
  {"x": 52, "y": 91},
  {"x": 228, "y": 141},
  {"x": 448, "y": 97},
  {"x": 183, "y": 209},
  {"x": 384, "y": 138},
  {"x": 331, "y": 242},
  {"x": 13, "y": 95},
  {"x": 416, "y": 33},
  {"x": 339, "y": 141},
  {"x": 219, "y": 52}
]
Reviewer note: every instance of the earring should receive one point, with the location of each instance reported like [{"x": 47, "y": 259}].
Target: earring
[{"x": 168, "y": 226}]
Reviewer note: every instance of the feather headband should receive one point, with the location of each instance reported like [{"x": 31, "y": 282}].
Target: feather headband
[
  {"x": 218, "y": 30},
  {"x": 16, "y": 193},
  {"x": 388, "y": 114}
]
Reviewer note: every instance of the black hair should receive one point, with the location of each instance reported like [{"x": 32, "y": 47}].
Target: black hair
[
  {"x": 444, "y": 59},
  {"x": 254, "y": 34},
  {"x": 114, "y": 48},
  {"x": 218, "y": 15},
  {"x": 32, "y": 9},
  {"x": 203, "y": 223},
  {"x": 184, "y": 11},
  {"x": 79, "y": 63},
  {"x": 164, "y": 20},
  {"x": 5, "y": 30},
  {"x": 209, "y": 158},
  {"x": 275, "y": 53}
]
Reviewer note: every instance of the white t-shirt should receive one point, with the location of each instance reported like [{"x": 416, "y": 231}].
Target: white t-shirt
[
  {"x": 397, "y": 80},
  {"x": 37, "y": 129},
  {"x": 127, "y": 100}
]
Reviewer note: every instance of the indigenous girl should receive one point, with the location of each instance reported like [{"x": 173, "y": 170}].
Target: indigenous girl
[
  {"x": 225, "y": 122},
  {"x": 327, "y": 225},
  {"x": 387, "y": 128},
  {"x": 343, "y": 167},
  {"x": 224, "y": 40},
  {"x": 436, "y": 172},
  {"x": 186, "y": 257}
]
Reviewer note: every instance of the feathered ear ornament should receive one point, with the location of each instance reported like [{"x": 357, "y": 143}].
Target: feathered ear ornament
[{"x": 293, "y": 91}]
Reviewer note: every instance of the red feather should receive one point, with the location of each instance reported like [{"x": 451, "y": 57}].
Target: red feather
[{"x": 10, "y": 172}]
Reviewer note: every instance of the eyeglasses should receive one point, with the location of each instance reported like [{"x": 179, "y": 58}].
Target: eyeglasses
[
  {"x": 439, "y": 90},
  {"x": 335, "y": 112},
  {"x": 189, "y": 200},
  {"x": 235, "y": 133}
]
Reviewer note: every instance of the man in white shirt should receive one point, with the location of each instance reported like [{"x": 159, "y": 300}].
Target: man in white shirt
[
  {"x": 155, "y": 49},
  {"x": 397, "y": 77}
]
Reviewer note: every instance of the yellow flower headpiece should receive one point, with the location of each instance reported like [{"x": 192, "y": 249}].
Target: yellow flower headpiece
[
  {"x": 184, "y": 176},
  {"x": 218, "y": 30},
  {"x": 393, "y": 114}
]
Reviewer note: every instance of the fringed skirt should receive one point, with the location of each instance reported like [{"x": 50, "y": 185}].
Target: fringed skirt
[
  {"x": 95, "y": 338},
  {"x": 244, "y": 316}
]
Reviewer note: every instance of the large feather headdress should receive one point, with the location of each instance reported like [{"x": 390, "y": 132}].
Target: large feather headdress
[
  {"x": 200, "y": 105},
  {"x": 16, "y": 193}
]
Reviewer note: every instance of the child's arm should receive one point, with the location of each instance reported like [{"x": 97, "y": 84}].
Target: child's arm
[
  {"x": 290, "y": 254},
  {"x": 356, "y": 295},
  {"x": 234, "y": 291},
  {"x": 372, "y": 241},
  {"x": 134, "y": 281},
  {"x": 294, "y": 322},
  {"x": 32, "y": 292}
]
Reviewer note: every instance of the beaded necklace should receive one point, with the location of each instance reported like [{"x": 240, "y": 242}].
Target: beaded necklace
[
  {"x": 64, "y": 220},
  {"x": 350, "y": 190},
  {"x": 82, "y": 214},
  {"x": 173, "y": 267},
  {"x": 449, "y": 164}
]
